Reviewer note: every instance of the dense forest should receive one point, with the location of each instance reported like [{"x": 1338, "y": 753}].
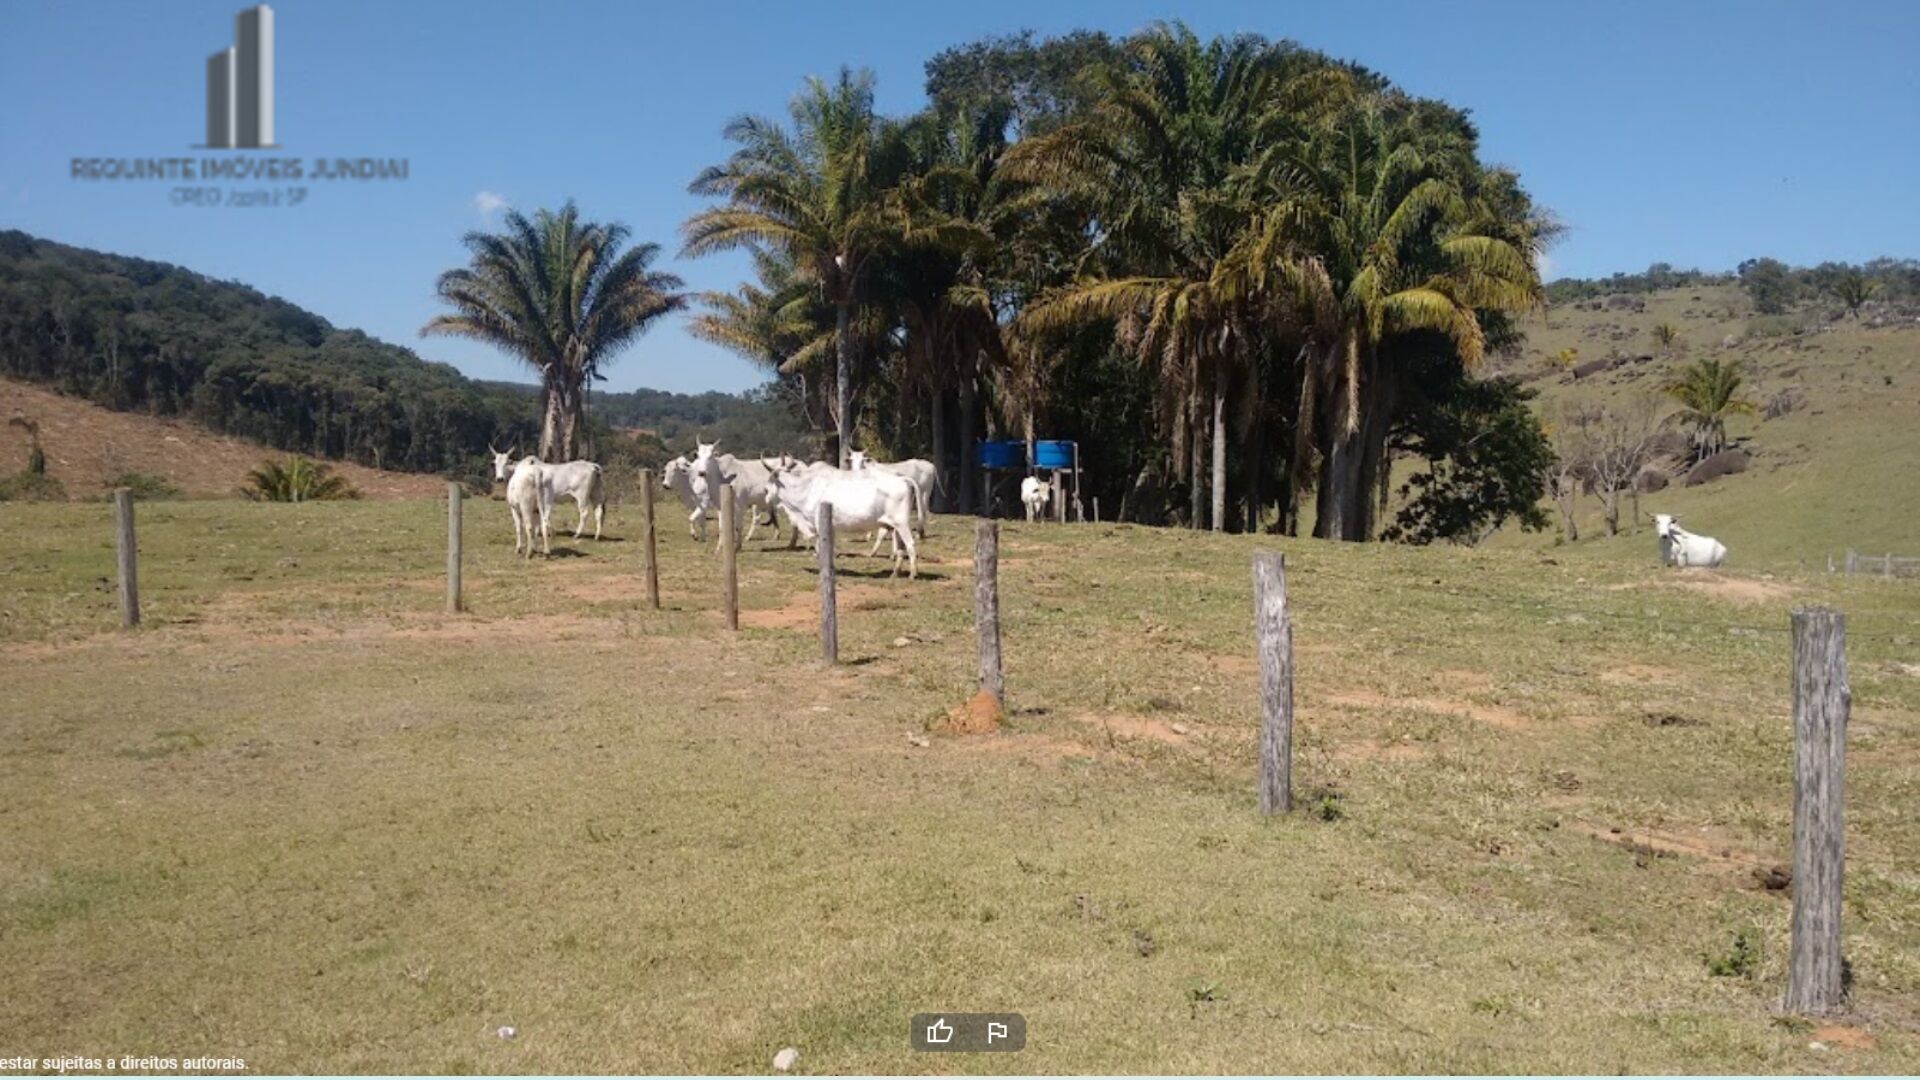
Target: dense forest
[{"x": 132, "y": 334}]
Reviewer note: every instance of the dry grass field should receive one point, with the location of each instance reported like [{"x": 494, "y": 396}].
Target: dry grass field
[{"x": 304, "y": 818}]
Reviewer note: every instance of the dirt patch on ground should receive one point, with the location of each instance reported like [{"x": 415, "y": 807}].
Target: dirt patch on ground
[
  {"x": 1128, "y": 726},
  {"x": 1725, "y": 587},
  {"x": 603, "y": 589},
  {"x": 1045, "y": 750},
  {"x": 979, "y": 715},
  {"x": 1632, "y": 674},
  {"x": 1704, "y": 845},
  {"x": 1463, "y": 681},
  {"x": 1236, "y": 666},
  {"x": 88, "y": 446},
  {"x": 802, "y": 610},
  {"x": 1494, "y": 715},
  {"x": 1845, "y": 1037}
]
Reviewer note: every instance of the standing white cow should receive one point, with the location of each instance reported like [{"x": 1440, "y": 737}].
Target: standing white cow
[
  {"x": 917, "y": 471},
  {"x": 530, "y": 501},
  {"x": 576, "y": 480},
  {"x": 1034, "y": 495},
  {"x": 678, "y": 476},
  {"x": 866, "y": 500},
  {"x": 1678, "y": 547}
]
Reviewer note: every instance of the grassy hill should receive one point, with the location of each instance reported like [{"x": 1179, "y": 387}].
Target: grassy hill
[
  {"x": 91, "y": 449},
  {"x": 1837, "y": 472}
]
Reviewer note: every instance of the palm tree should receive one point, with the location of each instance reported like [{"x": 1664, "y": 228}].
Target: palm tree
[
  {"x": 1373, "y": 230},
  {"x": 1159, "y": 164},
  {"x": 816, "y": 194},
  {"x": 1709, "y": 392},
  {"x": 777, "y": 323},
  {"x": 1664, "y": 336},
  {"x": 562, "y": 296},
  {"x": 299, "y": 479}
]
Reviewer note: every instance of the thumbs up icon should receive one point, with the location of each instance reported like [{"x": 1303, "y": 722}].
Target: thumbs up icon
[{"x": 939, "y": 1032}]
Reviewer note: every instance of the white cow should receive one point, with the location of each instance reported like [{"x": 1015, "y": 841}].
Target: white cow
[
  {"x": 1035, "y": 493},
  {"x": 918, "y": 471},
  {"x": 1678, "y": 547},
  {"x": 678, "y": 476},
  {"x": 752, "y": 493},
  {"x": 866, "y": 500},
  {"x": 576, "y": 480},
  {"x": 530, "y": 501}
]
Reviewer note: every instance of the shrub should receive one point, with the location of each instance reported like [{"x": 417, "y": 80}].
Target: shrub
[
  {"x": 1739, "y": 960},
  {"x": 144, "y": 487},
  {"x": 299, "y": 479},
  {"x": 31, "y": 487}
]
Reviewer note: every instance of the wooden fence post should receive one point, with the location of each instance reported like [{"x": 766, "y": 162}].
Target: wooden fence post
[
  {"x": 1852, "y": 561},
  {"x": 455, "y": 496},
  {"x": 1096, "y": 509},
  {"x": 128, "y": 558},
  {"x": 1273, "y": 633},
  {"x": 986, "y": 606},
  {"x": 729, "y": 544},
  {"x": 1821, "y": 701},
  {"x": 648, "y": 552},
  {"x": 829, "y": 611}
]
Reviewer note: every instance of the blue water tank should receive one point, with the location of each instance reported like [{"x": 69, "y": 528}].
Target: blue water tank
[
  {"x": 1003, "y": 454},
  {"x": 1053, "y": 454}
]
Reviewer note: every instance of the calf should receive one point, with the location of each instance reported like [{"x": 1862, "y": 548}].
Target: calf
[
  {"x": 1678, "y": 547},
  {"x": 1034, "y": 494}
]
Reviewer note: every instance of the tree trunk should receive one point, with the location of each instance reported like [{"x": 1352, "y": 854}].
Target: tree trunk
[
  {"x": 1219, "y": 452},
  {"x": 1196, "y": 439},
  {"x": 560, "y": 428},
  {"x": 968, "y": 454},
  {"x": 842, "y": 384},
  {"x": 1564, "y": 497},
  {"x": 1610, "y": 502},
  {"x": 937, "y": 432}
]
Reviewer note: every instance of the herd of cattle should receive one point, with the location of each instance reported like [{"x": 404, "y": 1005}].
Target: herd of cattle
[{"x": 888, "y": 498}]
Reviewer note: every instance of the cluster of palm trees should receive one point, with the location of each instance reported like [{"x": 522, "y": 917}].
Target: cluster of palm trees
[
  {"x": 1209, "y": 249},
  {"x": 1249, "y": 222}
]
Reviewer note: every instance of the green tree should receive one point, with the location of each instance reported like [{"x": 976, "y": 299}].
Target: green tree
[
  {"x": 1708, "y": 391},
  {"x": 817, "y": 194},
  {"x": 1769, "y": 283},
  {"x": 560, "y": 295},
  {"x": 1853, "y": 288},
  {"x": 1160, "y": 162},
  {"x": 1377, "y": 232}
]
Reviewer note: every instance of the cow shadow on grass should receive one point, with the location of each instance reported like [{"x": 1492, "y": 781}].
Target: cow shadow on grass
[{"x": 881, "y": 574}]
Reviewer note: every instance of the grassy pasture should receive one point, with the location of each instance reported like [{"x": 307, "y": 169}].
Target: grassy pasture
[{"x": 304, "y": 818}]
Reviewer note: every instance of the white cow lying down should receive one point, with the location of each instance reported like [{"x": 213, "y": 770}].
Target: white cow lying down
[
  {"x": 1034, "y": 495},
  {"x": 1678, "y": 547}
]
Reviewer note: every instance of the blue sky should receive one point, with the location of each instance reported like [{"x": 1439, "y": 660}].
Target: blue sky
[{"x": 1693, "y": 133}]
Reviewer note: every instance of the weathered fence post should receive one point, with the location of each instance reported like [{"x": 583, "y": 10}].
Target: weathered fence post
[
  {"x": 829, "y": 611},
  {"x": 1888, "y": 567},
  {"x": 1059, "y": 500},
  {"x": 1821, "y": 702},
  {"x": 986, "y": 606},
  {"x": 128, "y": 557},
  {"x": 729, "y": 564},
  {"x": 1852, "y": 561},
  {"x": 1096, "y": 509},
  {"x": 648, "y": 551},
  {"x": 455, "y": 496},
  {"x": 1273, "y": 632}
]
